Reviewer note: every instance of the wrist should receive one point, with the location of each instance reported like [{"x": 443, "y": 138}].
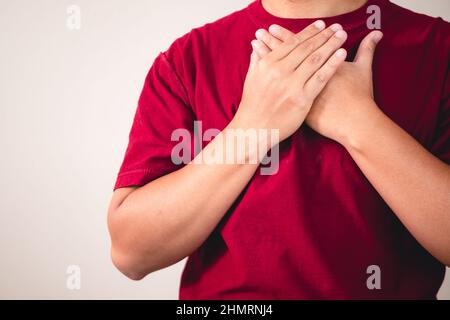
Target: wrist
[
  {"x": 363, "y": 125},
  {"x": 256, "y": 140}
]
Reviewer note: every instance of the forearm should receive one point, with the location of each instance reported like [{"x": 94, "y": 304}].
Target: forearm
[
  {"x": 166, "y": 220},
  {"x": 158, "y": 224},
  {"x": 414, "y": 183}
]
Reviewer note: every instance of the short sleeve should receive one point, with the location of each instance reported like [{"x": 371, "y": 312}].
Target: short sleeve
[
  {"x": 441, "y": 145},
  {"x": 163, "y": 107}
]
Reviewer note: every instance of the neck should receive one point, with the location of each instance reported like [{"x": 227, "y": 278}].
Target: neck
[{"x": 310, "y": 8}]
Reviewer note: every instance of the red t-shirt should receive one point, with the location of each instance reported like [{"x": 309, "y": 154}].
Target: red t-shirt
[{"x": 311, "y": 230}]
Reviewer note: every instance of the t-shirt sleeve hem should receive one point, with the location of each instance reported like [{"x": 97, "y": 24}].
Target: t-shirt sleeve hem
[{"x": 136, "y": 178}]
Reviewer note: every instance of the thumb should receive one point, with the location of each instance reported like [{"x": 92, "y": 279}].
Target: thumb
[{"x": 366, "y": 50}]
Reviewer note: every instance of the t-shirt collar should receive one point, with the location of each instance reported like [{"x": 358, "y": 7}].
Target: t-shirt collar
[{"x": 351, "y": 20}]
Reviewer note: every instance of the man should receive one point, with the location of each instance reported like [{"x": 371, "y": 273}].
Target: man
[{"x": 359, "y": 207}]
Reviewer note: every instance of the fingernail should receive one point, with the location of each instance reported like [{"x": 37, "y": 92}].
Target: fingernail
[
  {"x": 255, "y": 44},
  {"x": 259, "y": 33},
  {"x": 377, "y": 37},
  {"x": 340, "y": 53},
  {"x": 341, "y": 34},
  {"x": 319, "y": 24},
  {"x": 336, "y": 27},
  {"x": 274, "y": 29}
]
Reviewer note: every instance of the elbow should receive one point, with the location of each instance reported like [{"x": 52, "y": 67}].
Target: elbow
[
  {"x": 446, "y": 261},
  {"x": 127, "y": 265},
  {"x": 132, "y": 255},
  {"x": 125, "y": 255}
]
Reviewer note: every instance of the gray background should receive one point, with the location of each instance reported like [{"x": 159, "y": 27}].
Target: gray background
[{"x": 67, "y": 99}]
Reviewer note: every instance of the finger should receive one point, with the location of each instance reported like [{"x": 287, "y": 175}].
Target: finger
[
  {"x": 318, "y": 81},
  {"x": 310, "y": 31},
  {"x": 268, "y": 39},
  {"x": 277, "y": 34},
  {"x": 297, "y": 56},
  {"x": 317, "y": 59},
  {"x": 292, "y": 41},
  {"x": 254, "y": 58},
  {"x": 367, "y": 49},
  {"x": 261, "y": 49}
]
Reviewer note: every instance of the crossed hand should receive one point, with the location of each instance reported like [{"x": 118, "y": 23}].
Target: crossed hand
[{"x": 300, "y": 77}]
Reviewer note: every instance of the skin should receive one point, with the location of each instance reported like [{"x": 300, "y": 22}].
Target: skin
[
  {"x": 310, "y": 8},
  {"x": 159, "y": 224},
  {"x": 412, "y": 181}
]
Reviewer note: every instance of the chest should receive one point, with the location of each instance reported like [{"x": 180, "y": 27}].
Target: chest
[{"x": 407, "y": 87}]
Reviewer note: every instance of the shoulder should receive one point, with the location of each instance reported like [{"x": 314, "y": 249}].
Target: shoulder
[
  {"x": 200, "y": 40},
  {"x": 418, "y": 28}
]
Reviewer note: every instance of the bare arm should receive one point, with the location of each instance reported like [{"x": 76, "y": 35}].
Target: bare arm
[
  {"x": 412, "y": 181},
  {"x": 161, "y": 223},
  {"x": 164, "y": 221}
]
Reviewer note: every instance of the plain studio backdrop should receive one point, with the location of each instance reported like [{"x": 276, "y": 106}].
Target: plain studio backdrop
[{"x": 67, "y": 100}]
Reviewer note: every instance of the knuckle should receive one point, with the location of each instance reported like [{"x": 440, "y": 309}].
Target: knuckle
[
  {"x": 327, "y": 33},
  {"x": 332, "y": 46},
  {"x": 272, "y": 42},
  {"x": 370, "y": 46},
  {"x": 308, "y": 46},
  {"x": 266, "y": 38},
  {"x": 333, "y": 63},
  {"x": 324, "y": 36},
  {"x": 275, "y": 72},
  {"x": 297, "y": 100},
  {"x": 300, "y": 37},
  {"x": 293, "y": 40},
  {"x": 321, "y": 76},
  {"x": 294, "y": 101},
  {"x": 335, "y": 41},
  {"x": 315, "y": 58}
]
